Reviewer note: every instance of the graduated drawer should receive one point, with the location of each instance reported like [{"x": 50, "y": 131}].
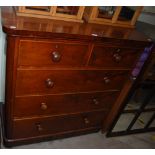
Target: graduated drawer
[
  {"x": 46, "y": 53},
  {"x": 103, "y": 56},
  {"x": 58, "y": 124},
  {"x": 30, "y": 82},
  {"x": 63, "y": 104}
]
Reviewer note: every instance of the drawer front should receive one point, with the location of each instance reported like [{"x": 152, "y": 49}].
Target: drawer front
[
  {"x": 113, "y": 57},
  {"x": 31, "y": 82},
  {"x": 42, "y": 53},
  {"x": 63, "y": 104},
  {"x": 58, "y": 124}
]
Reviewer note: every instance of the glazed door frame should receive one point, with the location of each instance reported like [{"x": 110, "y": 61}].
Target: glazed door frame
[{"x": 138, "y": 84}]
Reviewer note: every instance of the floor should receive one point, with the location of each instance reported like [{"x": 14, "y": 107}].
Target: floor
[
  {"x": 147, "y": 29},
  {"x": 97, "y": 141}
]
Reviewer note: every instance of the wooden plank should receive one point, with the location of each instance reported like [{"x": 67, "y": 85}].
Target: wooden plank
[
  {"x": 21, "y": 9},
  {"x": 50, "y": 17},
  {"x": 53, "y": 10},
  {"x": 104, "y": 22},
  {"x": 80, "y": 12},
  {"x": 94, "y": 12},
  {"x": 116, "y": 14},
  {"x": 136, "y": 15},
  {"x": 28, "y": 11}
]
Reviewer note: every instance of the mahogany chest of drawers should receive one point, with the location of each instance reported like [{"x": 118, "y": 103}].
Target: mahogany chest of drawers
[{"x": 64, "y": 78}]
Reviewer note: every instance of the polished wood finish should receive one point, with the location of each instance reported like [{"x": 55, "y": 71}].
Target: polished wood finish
[
  {"x": 31, "y": 82},
  {"x": 51, "y": 53},
  {"x": 57, "y": 124},
  {"x": 13, "y": 24},
  {"x": 74, "y": 103},
  {"x": 64, "y": 79},
  {"x": 113, "y": 56}
]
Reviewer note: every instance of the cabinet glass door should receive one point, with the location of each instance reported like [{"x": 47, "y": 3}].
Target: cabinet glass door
[
  {"x": 127, "y": 13},
  {"x": 39, "y": 8},
  {"x": 106, "y": 12},
  {"x": 69, "y": 10}
]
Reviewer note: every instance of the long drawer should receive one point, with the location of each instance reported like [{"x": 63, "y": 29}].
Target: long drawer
[
  {"x": 53, "y": 54},
  {"x": 25, "y": 128},
  {"x": 63, "y": 104},
  {"x": 30, "y": 82},
  {"x": 103, "y": 56}
]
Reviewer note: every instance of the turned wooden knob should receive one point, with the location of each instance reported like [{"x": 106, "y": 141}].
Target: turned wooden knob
[
  {"x": 49, "y": 83},
  {"x": 95, "y": 101},
  {"x": 43, "y": 106},
  {"x": 86, "y": 121},
  {"x": 118, "y": 50},
  {"x": 150, "y": 74},
  {"x": 133, "y": 78},
  {"x": 56, "y": 56},
  {"x": 106, "y": 80},
  {"x": 39, "y": 127},
  {"x": 117, "y": 57}
]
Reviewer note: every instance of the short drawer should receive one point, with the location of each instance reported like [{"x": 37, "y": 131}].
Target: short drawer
[
  {"x": 59, "y": 124},
  {"x": 46, "y": 53},
  {"x": 63, "y": 104},
  {"x": 31, "y": 82},
  {"x": 113, "y": 57}
]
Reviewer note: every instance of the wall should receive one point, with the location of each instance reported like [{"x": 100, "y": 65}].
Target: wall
[
  {"x": 2, "y": 63},
  {"x": 148, "y": 15}
]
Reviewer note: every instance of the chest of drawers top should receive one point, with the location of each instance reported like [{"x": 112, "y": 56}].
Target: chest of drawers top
[{"x": 35, "y": 27}]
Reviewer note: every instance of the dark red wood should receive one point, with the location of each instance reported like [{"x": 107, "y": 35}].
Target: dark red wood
[
  {"x": 24, "y": 128},
  {"x": 34, "y": 82},
  {"x": 114, "y": 56},
  {"x": 64, "y": 78},
  {"x": 63, "y": 104},
  {"x": 44, "y": 52}
]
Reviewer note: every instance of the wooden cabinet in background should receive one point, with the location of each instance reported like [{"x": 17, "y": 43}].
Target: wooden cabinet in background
[
  {"x": 124, "y": 16},
  {"x": 66, "y": 13}
]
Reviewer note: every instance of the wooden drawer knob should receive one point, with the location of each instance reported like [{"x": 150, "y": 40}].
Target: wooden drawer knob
[
  {"x": 150, "y": 74},
  {"x": 39, "y": 127},
  {"x": 95, "y": 101},
  {"x": 117, "y": 57},
  {"x": 56, "y": 56},
  {"x": 133, "y": 78},
  {"x": 118, "y": 50},
  {"x": 86, "y": 120},
  {"x": 106, "y": 80},
  {"x": 43, "y": 106},
  {"x": 49, "y": 83}
]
